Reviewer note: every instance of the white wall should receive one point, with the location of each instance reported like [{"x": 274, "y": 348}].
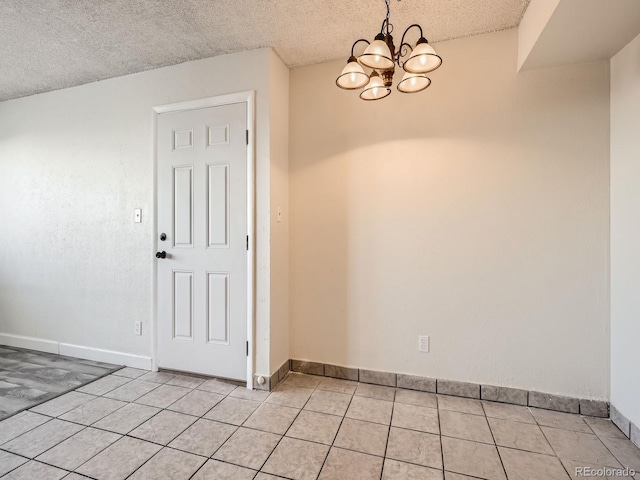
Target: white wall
[
  {"x": 625, "y": 231},
  {"x": 476, "y": 212},
  {"x": 75, "y": 163}
]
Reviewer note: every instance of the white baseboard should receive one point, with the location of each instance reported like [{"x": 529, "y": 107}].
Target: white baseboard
[
  {"x": 107, "y": 356},
  {"x": 29, "y": 342},
  {"x": 79, "y": 351}
]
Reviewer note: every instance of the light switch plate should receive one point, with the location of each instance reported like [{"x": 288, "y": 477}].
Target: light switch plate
[{"x": 137, "y": 215}]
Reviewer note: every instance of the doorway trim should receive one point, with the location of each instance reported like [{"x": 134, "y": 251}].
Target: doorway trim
[{"x": 247, "y": 97}]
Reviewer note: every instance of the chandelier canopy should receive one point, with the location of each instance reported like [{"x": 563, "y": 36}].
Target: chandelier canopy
[{"x": 382, "y": 57}]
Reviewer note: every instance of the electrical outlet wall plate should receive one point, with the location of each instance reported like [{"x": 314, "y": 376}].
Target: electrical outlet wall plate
[
  {"x": 138, "y": 328},
  {"x": 423, "y": 343}
]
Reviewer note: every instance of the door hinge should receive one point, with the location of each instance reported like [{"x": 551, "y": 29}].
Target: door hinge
[
  {"x": 247, "y": 348},
  {"x": 247, "y": 137},
  {"x": 247, "y": 243}
]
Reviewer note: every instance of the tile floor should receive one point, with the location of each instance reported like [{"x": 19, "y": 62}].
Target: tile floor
[
  {"x": 28, "y": 377},
  {"x": 154, "y": 426}
]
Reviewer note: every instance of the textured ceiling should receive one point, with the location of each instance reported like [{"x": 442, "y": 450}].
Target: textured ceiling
[{"x": 51, "y": 44}]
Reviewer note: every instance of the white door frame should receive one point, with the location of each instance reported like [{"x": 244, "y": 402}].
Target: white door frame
[{"x": 241, "y": 97}]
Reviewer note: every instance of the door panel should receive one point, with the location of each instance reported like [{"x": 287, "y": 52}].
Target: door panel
[{"x": 202, "y": 208}]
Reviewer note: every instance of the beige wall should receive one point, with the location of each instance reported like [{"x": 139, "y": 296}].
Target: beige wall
[
  {"x": 279, "y": 135},
  {"x": 476, "y": 212},
  {"x": 625, "y": 231}
]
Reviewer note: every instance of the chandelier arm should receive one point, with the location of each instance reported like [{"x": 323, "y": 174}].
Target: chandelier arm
[
  {"x": 353, "y": 47},
  {"x": 407, "y": 31},
  {"x": 403, "y": 50}
]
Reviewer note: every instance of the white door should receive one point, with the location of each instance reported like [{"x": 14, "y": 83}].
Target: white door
[{"x": 202, "y": 217}]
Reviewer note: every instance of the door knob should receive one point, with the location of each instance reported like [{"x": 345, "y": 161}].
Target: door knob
[{"x": 161, "y": 254}]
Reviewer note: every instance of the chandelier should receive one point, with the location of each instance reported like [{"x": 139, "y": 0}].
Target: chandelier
[{"x": 382, "y": 57}]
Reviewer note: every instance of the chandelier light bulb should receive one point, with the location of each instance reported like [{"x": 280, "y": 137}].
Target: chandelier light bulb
[
  {"x": 377, "y": 55},
  {"x": 413, "y": 83},
  {"x": 423, "y": 59},
  {"x": 352, "y": 76},
  {"x": 375, "y": 89}
]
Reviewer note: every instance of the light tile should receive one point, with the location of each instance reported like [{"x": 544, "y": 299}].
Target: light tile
[
  {"x": 394, "y": 470},
  {"x": 247, "y": 394},
  {"x": 169, "y": 464},
  {"x": 522, "y": 436},
  {"x": 76, "y": 450},
  {"x": 232, "y": 410},
  {"x": 290, "y": 396},
  {"x": 131, "y": 391},
  {"x": 337, "y": 385},
  {"x": 457, "y": 476},
  {"x": 457, "y": 404},
  {"x": 522, "y": 465},
  {"x": 164, "y": 427},
  {"x": 19, "y": 424},
  {"x": 459, "y": 389},
  {"x": 186, "y": 381},
  {"x": 625, "y": 451},
  {"x": 196, "y": 402},
  {"x": 93, "y": 411},
  {"x": 332, "y": 403},
  {"x": 157, "y": 377},
  {"x": 35, "y": 470},
  {"x": 127, "y": 418},
  {"x": 217, "y": 386},
  {"x": 273, "y": 418},
  {"x": 365, "y": 437},
  {"x": 345, "y": 464},
  {"x": 119, "y": 460},
  {"x": 582, "y": 447},
  {"x": 594, "y": 408},
  {"x": 345, "y": 373},
  {"x": 582, "y": 470},
  {"x": 215, "y": 470},
  {"x": 603, "y": 427},
  {"x": 421, "y": 399},
  {"x": 465, "y": 426},
  {"x": 378, "y": 378},
  {"x": 376, "y": 391},
  {"x": 471, "y": 458},
  {"x": 315, "y": 427},
  {"x": 130, "y": 372},
  {"x": 163, "y": 396},
  {"x": 104, "y": 385},
  {"x": 514, "y": 396},
  {"x": 554, "y": 402},
  {"x": 296, "y": 459},
  {"x": 414, "y": 447},
  {"x": 248, "y": 448},
  {"x": 413, "y": 382},
  {"x": 370, "y": 410},
  {"x": 9, "y": 461},
  {"x": 301, "y": 380},
  {"x": 415, "y": 418},
  {"x": 204, "y": 437},
  {"x": 566, "y": 421},
  {"x": 311, "y": 368},
  {"x": 62, "y": 404},
  {"x": 504, "y": 411},
  {"x": 42, "y": 438}
]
